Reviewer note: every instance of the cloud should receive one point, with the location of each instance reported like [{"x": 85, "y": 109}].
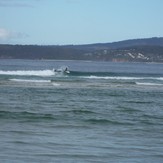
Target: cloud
[
  {"x": 4, "y": 34},
  {"x": 8, "y": 35}
]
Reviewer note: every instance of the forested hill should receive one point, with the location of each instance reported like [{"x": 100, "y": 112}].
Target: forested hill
[
  {"x": 136, "y": 50},
  {"x": 158, "y": 41}
]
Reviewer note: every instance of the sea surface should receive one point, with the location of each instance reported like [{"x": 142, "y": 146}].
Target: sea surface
[{"x": 100, "y": 112}]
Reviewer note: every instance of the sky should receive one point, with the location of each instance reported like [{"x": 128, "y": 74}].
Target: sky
[{"x": 64, "y": 22}]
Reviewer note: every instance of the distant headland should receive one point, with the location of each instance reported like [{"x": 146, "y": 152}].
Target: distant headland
[{"x": 135, "y": 50}]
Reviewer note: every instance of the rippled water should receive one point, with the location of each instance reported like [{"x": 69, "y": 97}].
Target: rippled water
[{"x": 100, "y": 112}]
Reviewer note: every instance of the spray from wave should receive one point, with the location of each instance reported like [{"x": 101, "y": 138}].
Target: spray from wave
[{"x": 29, "y": 73}]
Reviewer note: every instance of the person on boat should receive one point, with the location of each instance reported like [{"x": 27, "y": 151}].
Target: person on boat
[{"x": 66, "y": 69}]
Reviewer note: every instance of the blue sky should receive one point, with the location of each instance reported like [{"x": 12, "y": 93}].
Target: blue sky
[{"x": 60, "y": 22}]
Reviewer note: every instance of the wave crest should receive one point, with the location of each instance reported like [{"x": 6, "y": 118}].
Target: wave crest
[{"x": 29, "y": 72}]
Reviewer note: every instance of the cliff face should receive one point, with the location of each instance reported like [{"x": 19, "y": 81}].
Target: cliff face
[{"x": 138, "y": 50}]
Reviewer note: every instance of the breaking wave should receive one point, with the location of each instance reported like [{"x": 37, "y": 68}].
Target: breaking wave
[
  {"x": 113, "y": 77},
  {"x": 31, "y": 81},
  {"x": 122, "y": 78},
  {"x": 29, "y": 72},
  {"x": 35, "y": 81},
  {"x": 149, "y": 84}
]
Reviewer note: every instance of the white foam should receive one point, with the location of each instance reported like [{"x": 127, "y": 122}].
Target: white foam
[
  {"x": 31, "y": 80},
  {"x": 160, "y": 78},
  {"x": 55, "y": 84},
  {"x": 149, "y": 84},
  {"x": 29, "y": 73},
  {"x": 34, "y": 81},
  {"x": 113, "y": 77},
  {"x": 123, "y": 78}
]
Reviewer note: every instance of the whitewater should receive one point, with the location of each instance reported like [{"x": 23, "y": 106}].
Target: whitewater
[
  {"x": 29, "y": 73},
  {"x": 99, "y": 112}
]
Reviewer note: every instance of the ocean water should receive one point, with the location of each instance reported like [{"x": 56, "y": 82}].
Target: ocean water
[{"x": 99, "y": 112}]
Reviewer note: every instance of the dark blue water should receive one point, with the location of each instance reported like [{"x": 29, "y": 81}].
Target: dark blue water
[{"x": 99, "y": 112}]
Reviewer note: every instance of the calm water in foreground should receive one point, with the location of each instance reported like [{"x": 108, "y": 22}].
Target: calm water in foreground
[{"x": 99, "y": 112}]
